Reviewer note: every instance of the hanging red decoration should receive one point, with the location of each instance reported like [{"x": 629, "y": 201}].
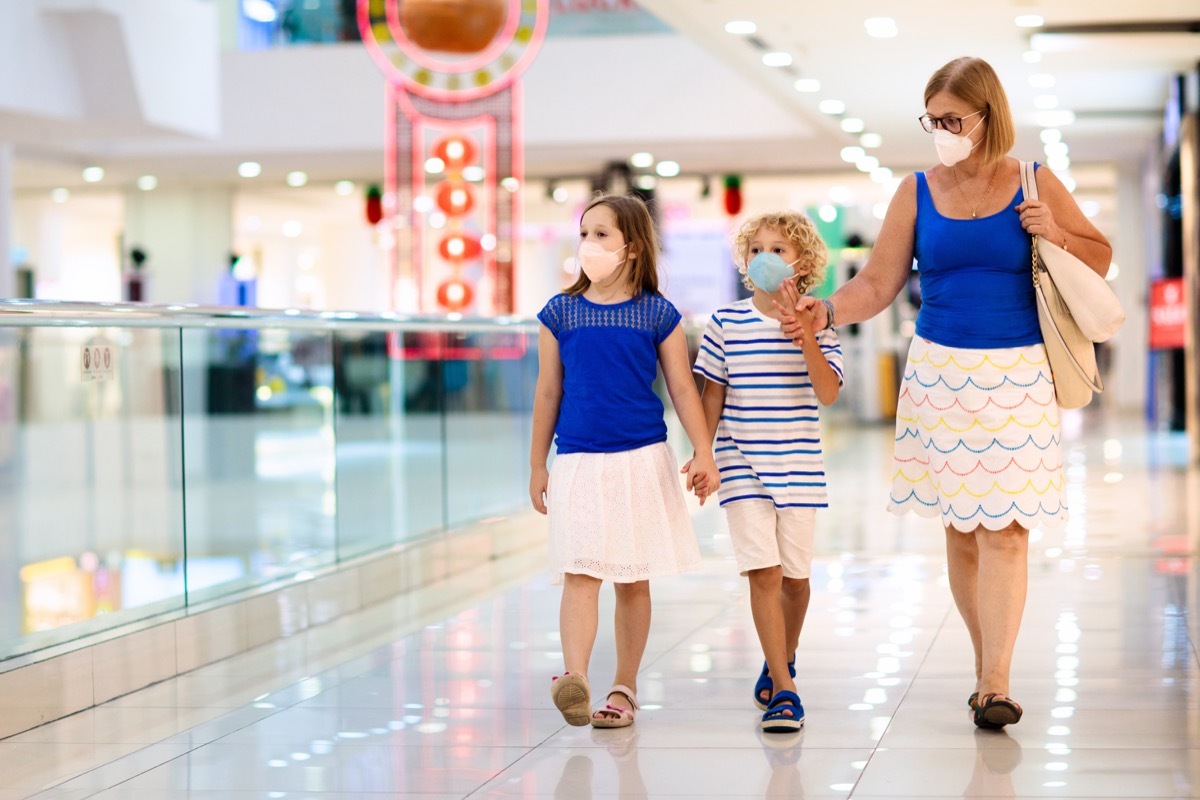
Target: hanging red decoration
[
  {"x": 733, "y": 194},
  {"x": 459, "y": 247},
  {"x": 374, "y": 205},
  {"x": 455, "y": 197},
  {"x": 452, "y": 26},
  {"x": 456, "y": 152},
  {"x": 455, "y": 294}
]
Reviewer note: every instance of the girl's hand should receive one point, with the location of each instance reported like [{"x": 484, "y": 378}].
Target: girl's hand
[
  {"x": 539, "y": 482},
  {"x": 703, "y": 477}
]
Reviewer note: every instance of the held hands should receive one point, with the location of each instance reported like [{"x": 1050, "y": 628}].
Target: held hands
[
  {"x": 800, "y": 317},
  {"x": 539, "y": 480},
  {"x": 702, "y": 476}
]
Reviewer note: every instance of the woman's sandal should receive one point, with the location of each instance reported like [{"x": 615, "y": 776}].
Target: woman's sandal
[
  {"x": 616, "y": 716},
  {"x": 572, "y": 696},
  {"x": 765, "y": 684},
  {"x": 785, "y": 714},
  {"x": 973, "y": 701},
  {"x": 995, "y": 710}
]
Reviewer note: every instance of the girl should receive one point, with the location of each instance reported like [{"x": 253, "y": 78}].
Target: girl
[
  {"x": 616, "y": 509},
  {"x": 761, "y": 398}
]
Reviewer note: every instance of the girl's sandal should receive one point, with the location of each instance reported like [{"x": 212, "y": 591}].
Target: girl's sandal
[
  {"x": 995, "y": 710},
  {"x": 572, "y": 696},
  {"x": 616, "y": 716}
]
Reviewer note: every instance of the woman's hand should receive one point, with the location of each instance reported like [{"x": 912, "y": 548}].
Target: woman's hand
[
  {"x": 1038, "y": 220},
  {"x": 539, "y": 482}
]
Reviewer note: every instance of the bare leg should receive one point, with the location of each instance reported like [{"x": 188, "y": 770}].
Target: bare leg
[
  {"x": 766, "y": 605},
  {"x": 962, "y": 560},
  {"x": 577, "y": 620},
  {"x": 795, "y": 597},
  {"x": 1003, "y": 580},
  {"x": 631, "y": 622}
]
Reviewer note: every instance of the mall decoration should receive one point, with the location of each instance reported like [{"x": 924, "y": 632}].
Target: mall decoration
[
  {"x": 374, "y": 209},
  {"x": 453, "y": 162},
  {"x": 733, "y": 194}
]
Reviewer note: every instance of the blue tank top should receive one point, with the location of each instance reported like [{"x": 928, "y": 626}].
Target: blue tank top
[{"x": 976, "y": 281}]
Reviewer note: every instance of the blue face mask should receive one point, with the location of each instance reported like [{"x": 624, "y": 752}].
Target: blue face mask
[{"x": 768, "y": 271}]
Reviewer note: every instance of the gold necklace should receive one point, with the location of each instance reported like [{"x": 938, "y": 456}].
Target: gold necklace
[{"x": 975, "y": 210}]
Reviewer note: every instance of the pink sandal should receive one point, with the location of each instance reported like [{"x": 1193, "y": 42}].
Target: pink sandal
[
  {"x": 616, "y": 716},
  {"x": 572, "y": 696}
]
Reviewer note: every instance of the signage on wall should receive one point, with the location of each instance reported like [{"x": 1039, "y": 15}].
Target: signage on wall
[{"x": 1168, "y": 314}]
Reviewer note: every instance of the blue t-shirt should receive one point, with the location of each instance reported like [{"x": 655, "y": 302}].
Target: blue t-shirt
[
  {"x": 976, "y": 277},
  {"x": 610, "y": 360}
]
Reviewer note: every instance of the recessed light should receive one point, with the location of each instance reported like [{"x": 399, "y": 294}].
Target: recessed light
[
  {"x": 93, "y": 174},
  {"x": 777, "y": 59},
  {"x": 832, "y": 107},
  {"x": 297, "y": 178},
  {"x": 1051, "y": 135},
  {"x": 851, "y": 155},
  {"x": 1042, "y": 80},
  {"x": 1045, "y": 101},
  {"x": 1030, "y": 21},
  {"x": 881, "y": 27},
  {"x": 641, "y": 160},
  {"x": 870, "y": 140},
  {"x": 853, "y": 125},
  {"x": 646, "y": 182},
  {"x": 741, "y": 27},
  {"x": 249, "y": 169},
  {"x": 808, "y": 85},
  {"x": 435, "y": 166},
  {"x": 667, "y": 169},
  {"x": 1058, "y": 118},
  {"x": 147, "y": 183},
  {"x": 867, "y": 164},
  {"x": 60, "y": 195},
  {"x": 344, "y": 188}
]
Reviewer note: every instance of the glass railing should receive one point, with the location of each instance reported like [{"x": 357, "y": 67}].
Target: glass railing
[{"x": 154, "y": 458}]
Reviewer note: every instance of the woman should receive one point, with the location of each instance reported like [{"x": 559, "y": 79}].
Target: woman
[{"x": 977, "y": 431}]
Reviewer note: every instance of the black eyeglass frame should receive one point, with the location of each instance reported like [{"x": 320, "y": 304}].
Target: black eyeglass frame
[{"x": 950, "y": 124}]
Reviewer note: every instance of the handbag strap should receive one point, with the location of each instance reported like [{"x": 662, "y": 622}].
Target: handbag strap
[{"x": 1029, "y": 190}]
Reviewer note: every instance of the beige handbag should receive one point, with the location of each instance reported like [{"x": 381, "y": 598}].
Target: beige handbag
[{"x": 1061, "y": 286}]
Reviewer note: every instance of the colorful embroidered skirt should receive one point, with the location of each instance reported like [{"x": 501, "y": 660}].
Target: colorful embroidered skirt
[{"x": 978, "y": 438}]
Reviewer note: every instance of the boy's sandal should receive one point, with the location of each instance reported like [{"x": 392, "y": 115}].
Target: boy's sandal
[
  {"x": 765, "y": 684},
  {"x": 785, "y": 714},
  {"x": 572, "y": 696},
  {"x": 616, "y": 716},
  {"x": 995, "y": 710}
]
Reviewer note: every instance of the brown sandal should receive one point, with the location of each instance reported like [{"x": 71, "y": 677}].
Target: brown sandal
[{"x": 996, "y": 710}]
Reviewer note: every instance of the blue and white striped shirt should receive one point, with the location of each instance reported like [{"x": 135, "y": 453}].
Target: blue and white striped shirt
[{"x": 769, "y": 437}]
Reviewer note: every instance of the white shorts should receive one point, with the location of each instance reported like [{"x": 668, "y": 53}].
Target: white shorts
[{"x": 765, "y": 536}]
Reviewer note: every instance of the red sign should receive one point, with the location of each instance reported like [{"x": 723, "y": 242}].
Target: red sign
[{"x": 1168, "y": 313}]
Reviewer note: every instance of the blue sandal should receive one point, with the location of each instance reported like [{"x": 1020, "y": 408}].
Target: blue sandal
[
  {"x": 765, "y": 684},
  {"x": 778, "y": 720}
]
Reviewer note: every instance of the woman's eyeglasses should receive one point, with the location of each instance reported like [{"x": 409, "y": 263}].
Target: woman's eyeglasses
[{"x": 948, "y": 124}]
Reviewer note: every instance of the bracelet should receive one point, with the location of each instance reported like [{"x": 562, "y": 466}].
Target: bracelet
[{"x": 828, "y": 313}]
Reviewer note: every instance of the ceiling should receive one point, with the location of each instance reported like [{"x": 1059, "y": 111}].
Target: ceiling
[{"x": 1111, "y": 63}]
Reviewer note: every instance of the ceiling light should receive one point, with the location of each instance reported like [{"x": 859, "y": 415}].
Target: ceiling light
[
  {"x": 93, "y": 174},
  {"x": 510, "y": 184},
  {"x": 1068, "y": 182},
  {"x": 1042, "y": 80},
  {"x": 1030, "y": 21},
  {"x": 147, "y": 183},
  {"x": 422, "y": 204},
  {"x": 808, "y": 85},
  {"x": 881, "y": 27},
  {"x": 1032, "y": 57},
  {"x": 292, "y": 228},
  {"x": 827, "y": 213},
  {"x": 842, "y": 195},
  {"x": 646, "y": 182},
  {"x": 1045, "y": 101},
  {"x": 297, "y": 178},
  {"x": 560, "y": 194},
  {"x": 1051, "y": 135},
  {"x": 777, "y": 59},
  {"x": 832, "y": 107},
  {"x": 1058, "y": 118},
  {"x": 259, "y": 11},
  {"x": 1056, "y": 149},
  {"x": 641, "y": 160},
  {"x": 867, "y": 164},
  {"x": 741, "y": 27},
  {"x": 1059, "y": 163},
  {"x": 344, "y": 188},
  {"x": 435, "y": 166},
  {"x": 852, "y": 154},
  {"x": 249, "y": 169},
  {"x": 60, "y": 195},
  {"x": 473, "y": 173},
  {"x": 667, "y": 169},
  {"x": 870, "y": 140},
  {"x": 853, "y": 125},
  {"x": 881, "y": 174}
]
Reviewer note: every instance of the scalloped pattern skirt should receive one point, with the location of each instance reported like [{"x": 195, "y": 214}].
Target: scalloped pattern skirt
[{"x": 978, "y": 438}]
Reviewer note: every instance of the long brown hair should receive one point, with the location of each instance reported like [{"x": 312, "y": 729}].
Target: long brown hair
[
  {"x": 635, "y": 224},
  {"x": 973, "y": 81}
]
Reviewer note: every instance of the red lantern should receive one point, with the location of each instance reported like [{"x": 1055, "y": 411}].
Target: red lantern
[
  {"x": 452, "y": 26},
  {"x": 374, "y": 205},
  {"x": 456, "y": 152},
  {"x": 733, "y": 194},
  {"x": 455, "y": 197},
  {"x": 460, "y": 247},
  {"x": 455, "y": 294}
]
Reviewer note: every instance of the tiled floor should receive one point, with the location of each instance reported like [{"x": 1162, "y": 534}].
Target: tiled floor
[{"x": 455, "y": 703}]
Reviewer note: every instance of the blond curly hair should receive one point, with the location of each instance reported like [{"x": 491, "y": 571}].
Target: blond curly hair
[{"x": 799, "y": 230}]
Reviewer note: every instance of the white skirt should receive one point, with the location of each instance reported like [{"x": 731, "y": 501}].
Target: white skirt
[
  {"x": 620, "y": 516},
  {"x": 978, "y": 440}
]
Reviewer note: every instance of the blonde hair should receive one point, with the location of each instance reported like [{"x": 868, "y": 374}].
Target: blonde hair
[
  {"x": 973, "y": 81},
  {"x": 799, "y": 230},
  {"x": 636, "y": 225}
]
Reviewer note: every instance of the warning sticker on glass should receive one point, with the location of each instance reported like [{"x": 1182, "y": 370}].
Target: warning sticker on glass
[{"x": 98, "y": 363}]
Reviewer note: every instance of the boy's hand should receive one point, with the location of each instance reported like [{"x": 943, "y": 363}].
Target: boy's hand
[{"x": 703, "y": 477}]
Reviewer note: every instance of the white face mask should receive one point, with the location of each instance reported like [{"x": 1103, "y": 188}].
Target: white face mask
[
  {"x": 598, "y": 263},
  {"x": 952, "y": 148}
]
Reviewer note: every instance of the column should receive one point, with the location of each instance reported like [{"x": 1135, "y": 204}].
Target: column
[{"x": 7, "y": 279}]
